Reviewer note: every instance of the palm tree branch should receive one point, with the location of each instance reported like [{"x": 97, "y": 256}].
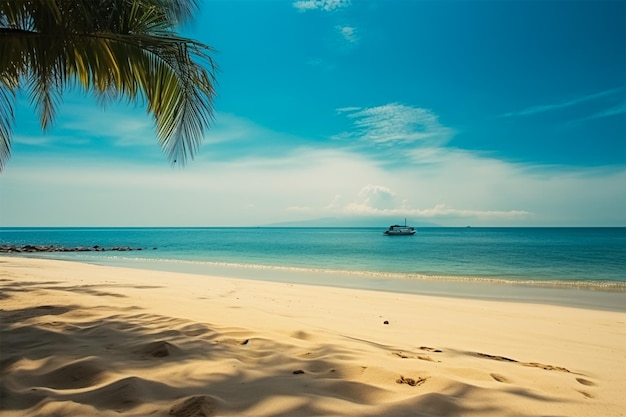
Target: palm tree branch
[
  {"x": 117, "y": 52},
  {"x": 178, "y": 88}
]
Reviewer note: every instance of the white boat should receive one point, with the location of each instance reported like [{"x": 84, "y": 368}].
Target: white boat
[{"x": 398, "y": 230}]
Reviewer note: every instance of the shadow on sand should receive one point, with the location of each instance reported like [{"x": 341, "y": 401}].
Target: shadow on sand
[{"x": 66, "y": 359}]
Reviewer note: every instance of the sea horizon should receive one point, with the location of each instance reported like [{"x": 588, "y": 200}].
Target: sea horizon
[{"x": 568, "y": 265}]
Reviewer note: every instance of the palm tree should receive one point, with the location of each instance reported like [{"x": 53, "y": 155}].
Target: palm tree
[{"x": 114, "y": 49}]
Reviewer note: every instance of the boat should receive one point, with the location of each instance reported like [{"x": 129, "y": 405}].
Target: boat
[{"x": 399, "y": 230}]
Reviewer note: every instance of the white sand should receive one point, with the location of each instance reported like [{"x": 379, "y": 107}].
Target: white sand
[{"x": 84, "y": 340}]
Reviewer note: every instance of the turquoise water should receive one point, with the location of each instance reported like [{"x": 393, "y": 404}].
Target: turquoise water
[
  {"x": 536, "y": 254},
  {"x": 587, "y": 258}
]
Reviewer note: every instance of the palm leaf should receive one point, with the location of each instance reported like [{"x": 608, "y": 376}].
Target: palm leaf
[
  {"x": 7, "y": 118},
  {"x": 115, "y": 49}
]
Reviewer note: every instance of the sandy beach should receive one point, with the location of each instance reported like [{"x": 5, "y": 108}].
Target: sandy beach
[{"x": 87, "y": 340}]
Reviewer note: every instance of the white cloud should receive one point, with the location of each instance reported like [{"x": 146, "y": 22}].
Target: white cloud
[
  {"x": 377, "y": 196},
  {"x": 396, "y": 123},
  {"x": 434, "y": 184},
  {"x": 348, "y": 109},
  {"x": 456, "y": 189},
  {"x": 335, "y": 203},
  {"x": 348, "y": 33},
  {"x": 325, "y": 5}
]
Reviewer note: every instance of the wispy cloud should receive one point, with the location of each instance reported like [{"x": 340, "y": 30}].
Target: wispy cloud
[
  {"x": 325, "y": 5},
  {"x": 459, "y": 188},
  {"x": 348, "y": 33},
  {"x": 395, "y": 123},
  {"x": 348, "y": 109},
  {"x": 564, "y": 104},
  {"x": 611, "y": 111}
]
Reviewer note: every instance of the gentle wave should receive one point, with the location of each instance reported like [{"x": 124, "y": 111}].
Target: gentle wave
[{"x": 613, "y": 286}]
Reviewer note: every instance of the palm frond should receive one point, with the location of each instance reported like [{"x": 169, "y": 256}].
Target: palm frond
[
  {"x": 115, "y": 49},
  {"x": 7, "y": 119}
]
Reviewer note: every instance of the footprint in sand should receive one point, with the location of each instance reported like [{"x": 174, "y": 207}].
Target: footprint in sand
[
  {"x": 530, "y": 364},
  {"x": 546, "y": 367},
  {"x": 587, "y": 395},
  {"x": 421, "y": 357},
  {"x": 429, "y": 349},
  {"x": 496, "y": 358},
  {"x": 584, "y": 381},
  {"x": 500, "y": 378}
]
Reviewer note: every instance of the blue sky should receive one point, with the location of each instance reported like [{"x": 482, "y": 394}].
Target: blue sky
[{"x": 362, "y": 112}]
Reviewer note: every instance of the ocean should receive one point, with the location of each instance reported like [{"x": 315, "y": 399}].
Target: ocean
[{"x": 561, "y": 265}]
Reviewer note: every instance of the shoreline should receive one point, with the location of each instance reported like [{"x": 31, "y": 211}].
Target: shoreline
[
  {"x": 588, "y": 294},
  {"x": 83, "y": 339},
  {"x": 598, "y": 295}
]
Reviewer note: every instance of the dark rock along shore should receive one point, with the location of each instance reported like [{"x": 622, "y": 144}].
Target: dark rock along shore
[{"x": 52, "y": 248}]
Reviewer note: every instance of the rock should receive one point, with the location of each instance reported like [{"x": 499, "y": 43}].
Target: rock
[{"x": 51, "y": 248}]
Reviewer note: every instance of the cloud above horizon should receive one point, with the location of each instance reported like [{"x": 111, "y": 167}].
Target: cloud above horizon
[
  {"x": 308, "y": 183},
  {"x": 297, "y": 179},
  {"x": 324, "y": 5},
  {"x": 393, "y": 124}
]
